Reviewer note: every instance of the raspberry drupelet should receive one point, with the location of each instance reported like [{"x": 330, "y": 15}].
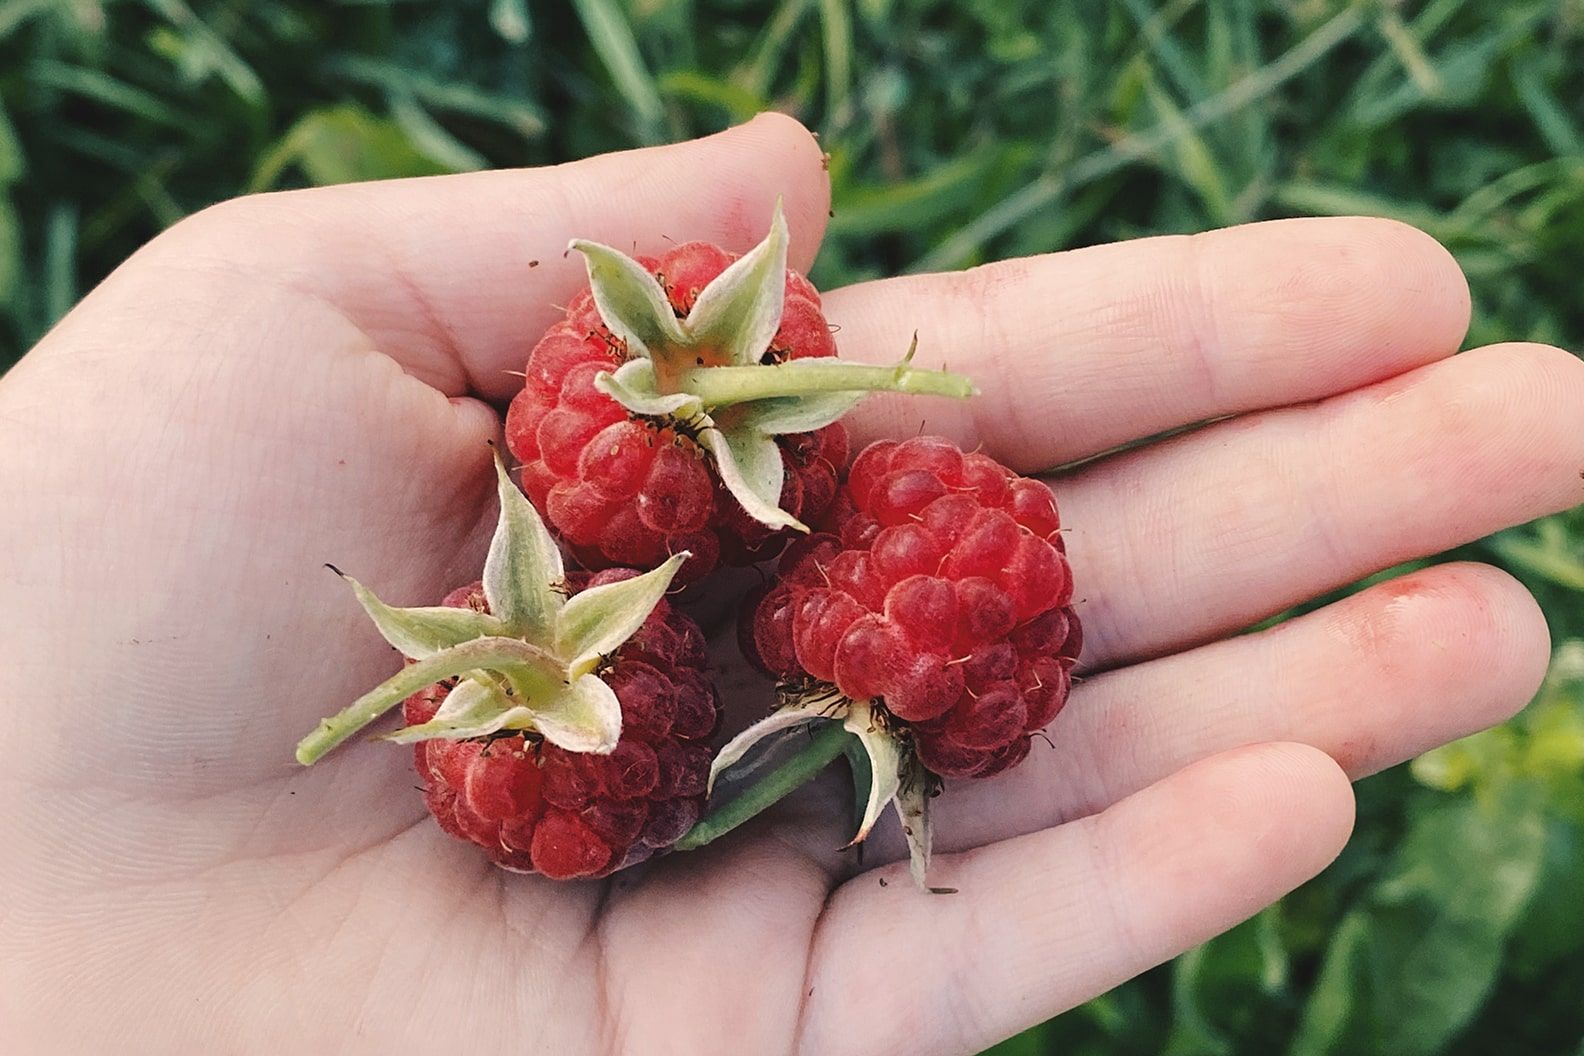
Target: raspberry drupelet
[{"x": 690, "y": 402}]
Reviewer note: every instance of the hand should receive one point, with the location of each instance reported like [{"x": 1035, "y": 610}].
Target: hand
[{"x": 307, "y": 377}]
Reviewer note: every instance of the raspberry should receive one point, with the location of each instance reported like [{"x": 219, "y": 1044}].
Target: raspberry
[
  {"x": 577, "y": 736},
  {"x": 591, "y": 808},
  {"x": 701, "y": 473},
  {"x": 938, "y": 589},
  {"x": 567, "y": 433}
]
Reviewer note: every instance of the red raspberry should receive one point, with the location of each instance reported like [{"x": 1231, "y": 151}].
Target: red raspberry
[
  {"x": 587, "y": 462},
  {"x": 538, "y": 808},
  {"x": 939, "y": 588}
]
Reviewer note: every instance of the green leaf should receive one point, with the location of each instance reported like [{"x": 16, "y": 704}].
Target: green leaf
[
  {"x": 1552, "y": 930},
  {"x": 1217, "y": 987},
  {"x": 696, "y": 87},
  {"x": 749, "y": 465},
  {"x": 12, "y": 162},
  {"x": 523, "y": 569},
  {"x": 510, "y": 19},
  {"x": 613, "y": 41},
  {"x": 15, "y": 12},
  {"x": 1410, "y": 967},
  {"x": 60, "y": 262},
  {"x": 629, "y": 299},
  {"x": 343, "y": 144},
  {"x": 582, "y": 717},
  {"x": 201, "y": 51},
  {"x": 597, "y": 621},
  {"x": 107, "y": 90},
  {"x": 738, "y": 313},
  {"x": 420, "y": 633},
  {"x": 430, "y": 138},
  {"x": 836, "y": 22},
  {"x": 10, "y": 256},
  {"x": 443, "y": 94}
]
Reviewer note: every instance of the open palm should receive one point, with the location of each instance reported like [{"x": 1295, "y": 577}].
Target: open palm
[{"x": 311, "y": 377}]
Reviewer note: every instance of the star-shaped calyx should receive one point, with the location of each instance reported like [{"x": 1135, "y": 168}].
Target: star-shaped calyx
[
  {"x": 708, "y": 375},
  {"x": 531, "y": 663}
]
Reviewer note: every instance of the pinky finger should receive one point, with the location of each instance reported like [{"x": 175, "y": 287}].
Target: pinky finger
[{"x": 1046, "y": 921}]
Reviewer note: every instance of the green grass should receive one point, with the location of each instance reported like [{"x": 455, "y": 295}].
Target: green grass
[{"x": 963, "y": 132}]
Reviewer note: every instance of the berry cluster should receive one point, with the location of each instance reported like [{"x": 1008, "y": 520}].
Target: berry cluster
[
  {"x": 941, "y": 589},
  {"x": 536, "y": 807},
  {"x": 687, "y": 413}
]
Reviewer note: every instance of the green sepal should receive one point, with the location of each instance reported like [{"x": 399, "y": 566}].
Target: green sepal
[
  {"x": 473, "y": 708},
  {"x": 523, "y": 569},
  {"x": 688, "y": 372},
  {"x": 784, "y": 718},
  {"x": 739, "y": 312},
  {"x": 749, "y": 465},
  {"x": 633, "y": 385},
  {"x": 528, "y": 664},
  {"x": 780, "y": 415},
  {"x": 422, "y": 632},
  {"x": 912, "y": 807},
  {"x": 598, "y": 620},
  {"x": 630, "y": 300},
  {"x": 584, "y": 716},
  {"x": 885, "y": 764},
  {"x": 862, "y": 776}
]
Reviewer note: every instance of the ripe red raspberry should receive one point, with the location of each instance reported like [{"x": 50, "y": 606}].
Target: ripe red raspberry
[
  {"x": 627, "y": 490},
  {"x": 561, "y": 721},
  {"x": 690, "y": 401},
  {"x": 535, "y": 807},
  {"x": 940, "y": 589}
]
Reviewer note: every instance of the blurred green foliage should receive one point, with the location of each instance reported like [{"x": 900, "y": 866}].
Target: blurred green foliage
[{"x": 961, "y": 132}]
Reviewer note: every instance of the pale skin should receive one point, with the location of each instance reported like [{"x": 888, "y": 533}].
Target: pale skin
[{"x": 314, "y": 376}]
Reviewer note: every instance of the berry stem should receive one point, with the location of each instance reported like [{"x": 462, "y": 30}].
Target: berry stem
[
  {"x": 724, "y": 386},
  {"x": 820, "y": 750}
]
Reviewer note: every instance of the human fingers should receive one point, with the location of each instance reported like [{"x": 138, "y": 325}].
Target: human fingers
[
  {"x": 1371, "y": 680},
  {"x": 1078, "y": 352},
  {"x": 1187, "y": 540},
  {"x": 1045, "y": 921}
]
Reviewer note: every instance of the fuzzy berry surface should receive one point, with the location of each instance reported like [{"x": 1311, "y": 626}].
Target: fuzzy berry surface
[
  {"x": 624, "y": 490},
  {"x": 537, "y": 808},
  {"x": 941, "y": 587}
]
